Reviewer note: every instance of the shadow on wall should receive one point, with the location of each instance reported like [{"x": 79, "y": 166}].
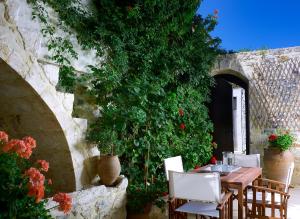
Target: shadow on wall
[{"x": 24, "y": 113}]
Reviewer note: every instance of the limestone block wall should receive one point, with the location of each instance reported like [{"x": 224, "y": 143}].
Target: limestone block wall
[
  {"x": 274, "y": 93},
  {"x": 33, "y": 106},
  {"x": 95, "y": 203}
]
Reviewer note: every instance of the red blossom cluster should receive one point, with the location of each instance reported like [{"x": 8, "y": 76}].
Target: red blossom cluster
[
  {"x": 182, "y": 126},
  {"x": 3, "y": 137},
  {"x": 22, "y": 147},
  {"x": 36, "y": 184},
  {"x": 197, "y": 167},
  {"x": 213, "y": 160},
  {"x": 44, "y": 165},
  {"x": 64, "y": 200},
  {"x": 272, "y": 137},
  {"x": 181, "y": 114}
]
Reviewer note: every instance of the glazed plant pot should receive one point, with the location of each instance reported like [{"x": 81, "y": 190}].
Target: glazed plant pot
[
  {"x": 109, "y": 169},
  {"x": 277, "y": 163}
]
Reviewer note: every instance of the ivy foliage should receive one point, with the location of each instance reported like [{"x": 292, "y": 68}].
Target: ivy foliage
[{"x": 158, "y": 55}]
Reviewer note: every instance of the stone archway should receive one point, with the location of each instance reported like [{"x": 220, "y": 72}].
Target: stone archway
[{"x": 24, "y": 113}]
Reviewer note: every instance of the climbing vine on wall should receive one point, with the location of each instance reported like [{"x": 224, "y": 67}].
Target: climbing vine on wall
[{"x": 153, "y": 85}]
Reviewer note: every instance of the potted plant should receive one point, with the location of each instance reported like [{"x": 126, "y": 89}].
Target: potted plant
[
  {"x": 278, "y": 157},
  {"x": 108, "y": 164}
]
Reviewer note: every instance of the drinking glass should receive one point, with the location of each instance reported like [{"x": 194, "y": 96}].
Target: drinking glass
[{"x": 230, "y": 159}]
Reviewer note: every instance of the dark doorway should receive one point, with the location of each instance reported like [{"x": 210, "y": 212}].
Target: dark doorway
[{"x": 225, "y": 109}]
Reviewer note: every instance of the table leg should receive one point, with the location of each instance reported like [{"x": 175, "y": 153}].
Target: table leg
[{"x": 240, "y": 203}]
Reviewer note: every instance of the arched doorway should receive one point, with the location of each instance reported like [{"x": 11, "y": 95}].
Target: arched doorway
[
  {"x": 229, "y": 113},
  {"x": 24, "y": 113}
]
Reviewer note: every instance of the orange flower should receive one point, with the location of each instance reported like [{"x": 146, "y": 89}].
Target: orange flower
[
  {"x": 44, "y": 165},
  {"x": 3, "y": 137},
  {"x": 64, "y": 200},
  {"x": 19, "y": 147},
  {"x": 36, "y": 183},
  {"x": 29, "y": 141}
]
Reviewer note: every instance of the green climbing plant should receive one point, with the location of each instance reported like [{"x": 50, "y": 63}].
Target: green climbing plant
[{"x": 152, "y": 87}]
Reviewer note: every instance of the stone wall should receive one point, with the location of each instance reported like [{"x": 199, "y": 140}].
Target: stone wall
[
  {"x": 33, "y": 106},
  {"x": 95, "y": 203},
  {"x": 274, "y": 88}
]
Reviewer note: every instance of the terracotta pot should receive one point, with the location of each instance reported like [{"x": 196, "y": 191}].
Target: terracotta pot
[
  {"x": 277, "y": 163},
  {"x": 109, "y": 169}
]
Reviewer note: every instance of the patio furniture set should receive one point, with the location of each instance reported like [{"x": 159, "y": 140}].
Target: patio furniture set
[{"x": 209, "y": 191}]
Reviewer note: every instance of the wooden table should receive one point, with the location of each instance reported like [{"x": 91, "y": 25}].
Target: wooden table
[{"x": 239, "y": 180}]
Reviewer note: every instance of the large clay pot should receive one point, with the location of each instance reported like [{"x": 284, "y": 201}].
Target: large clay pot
[
  {"x": 109, "y": 169},
  {"x": 277, "y": 163}
]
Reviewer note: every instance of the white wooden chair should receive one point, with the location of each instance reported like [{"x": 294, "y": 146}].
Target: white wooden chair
[
  {"x": 251, "y": 160},
  {"x": 268, "y": 194},
  {"x": 198, "y": 194},
  {"x": 174, "y": 164}
]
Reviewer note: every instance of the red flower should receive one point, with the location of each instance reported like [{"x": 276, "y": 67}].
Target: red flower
[
  {"x": 44, "y": 165},
  {"x": 64, "y": 200},
  {"x": 197, "y": 167},
  {"x": 182, "y": 126},
  {"x": 181, "y": 112},
  {"x": 272, "y": 137},
  {"x": 213, "y": 160},
  {"x": 3, "y": 137},
  {"x": 164, "y": 193},
  {"x": 49, "y": 181},
  {"x": 19, "y": 147},
  {"x": 29, "y": 141},
  {"x": 22, "y": 147},
  {"x": 36, "y": 183}
]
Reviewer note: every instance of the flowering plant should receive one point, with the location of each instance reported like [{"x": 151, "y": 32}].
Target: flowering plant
[
  {"x": 282, "y": 140},
  {"x": 23, "y": 185}
]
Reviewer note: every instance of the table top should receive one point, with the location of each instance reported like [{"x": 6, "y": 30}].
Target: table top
[{"x": 241, "y": 177}]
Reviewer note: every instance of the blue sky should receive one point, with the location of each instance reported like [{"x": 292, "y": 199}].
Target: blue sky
[{"x": 255, "y": 24}]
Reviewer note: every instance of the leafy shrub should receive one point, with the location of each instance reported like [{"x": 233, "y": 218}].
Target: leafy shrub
[{"x": 153, "y": 87}]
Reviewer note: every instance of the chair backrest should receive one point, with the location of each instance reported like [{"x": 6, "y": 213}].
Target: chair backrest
[
  {"x": 242, "y": 160},
  {"x": 195, "y": 186},
  {"x": 289, "y": 177},
  {"x": 174, "y": 164}
]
